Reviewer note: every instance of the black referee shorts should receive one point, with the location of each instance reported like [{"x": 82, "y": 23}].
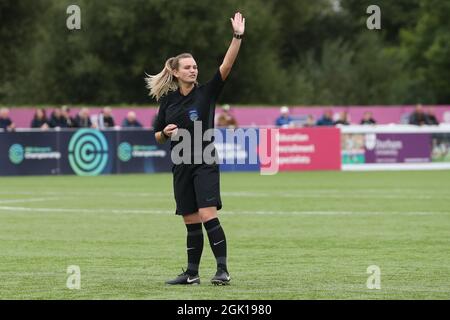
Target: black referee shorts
[{"x": 196, "y": 186}]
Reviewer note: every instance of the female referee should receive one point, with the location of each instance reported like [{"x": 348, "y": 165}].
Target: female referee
[{"x": 196, "y": 186}]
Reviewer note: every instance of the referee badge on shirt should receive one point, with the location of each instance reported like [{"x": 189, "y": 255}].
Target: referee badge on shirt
[{"x": 193, "y": 115}]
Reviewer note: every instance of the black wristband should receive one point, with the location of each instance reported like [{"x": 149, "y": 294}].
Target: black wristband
[
  {"x": 165, "y": 135},
  {"x": 238, "y": 36}
]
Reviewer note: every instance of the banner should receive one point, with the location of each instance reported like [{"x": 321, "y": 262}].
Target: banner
[
  {"x": 440, "y": 147},
  {"x": 237, "y": 149},
  {"x": 84, "y": 152},
  {"x": 29, "y": 153},
  {"x": 359, "y": 148},
  {"x": 140, "y": 153},
  {"x": 309, "y": 149}
]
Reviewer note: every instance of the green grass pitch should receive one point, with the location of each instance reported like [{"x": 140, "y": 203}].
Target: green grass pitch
[{"x": 302, "y": 235}]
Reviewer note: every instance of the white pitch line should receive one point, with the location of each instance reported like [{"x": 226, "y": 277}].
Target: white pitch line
[
  {"x": 73, "y": 210},
  {"x": 26, "y": 200},
  {"x": 244, "y": 212},
  {"x": 300, "y": 194}
]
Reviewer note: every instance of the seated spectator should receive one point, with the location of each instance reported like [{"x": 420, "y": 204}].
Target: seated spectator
[
  {"x": 83, "y": 119},
  {"x": 5, "y": 122},
  {"x": 367, "y": 118},
  {"x": 284, "y": 120},
  {"x": 310, "y": 121},
  {"x": 343, "y": 119},
  {"x": 57, "y": 119},
  {"x": 418, "y": 117},
  {"x": 71, "y": 122},
  {"x": 225, "y": 119},
  {"x": 40, "y": 120},
  {"x": 105, "y": 119},
  {"x": 431, "y": 117},
  {"x": 327, "y": 119},
  {"x": 130, "y": 121}
]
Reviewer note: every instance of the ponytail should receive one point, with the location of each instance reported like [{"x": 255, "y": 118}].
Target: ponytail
[{"x": 160, "y": 84}]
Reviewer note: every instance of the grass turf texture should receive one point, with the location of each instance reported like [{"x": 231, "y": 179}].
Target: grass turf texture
[{"x": 308, "y": 235}]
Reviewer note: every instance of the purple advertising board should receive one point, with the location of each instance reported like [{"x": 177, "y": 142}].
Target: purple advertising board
[{"x": 398, "y": 147}]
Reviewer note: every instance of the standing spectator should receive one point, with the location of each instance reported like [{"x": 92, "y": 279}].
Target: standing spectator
[
  {"x": 130, "y": 121},
  {"x": 431, "y": 117},
  {"x": 226, "y": 119},
  {"x": 105, "y": 119},
  {"x": 284, "y": 120},
  {"x": 327, "y": 119},
  {"x": 5, "y": 122},
  {"x": 343, "y": 119},
  {"x": 418, "y": 117},
  {"x": 83, "y": 119},
  {"x": 39, "y": 120},
  {"x": 367, "y": 118}
]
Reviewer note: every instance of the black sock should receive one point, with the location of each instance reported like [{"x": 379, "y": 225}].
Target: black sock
[
  {"x": 194, "y": 247},
  {"x": 217, "y": 242}
]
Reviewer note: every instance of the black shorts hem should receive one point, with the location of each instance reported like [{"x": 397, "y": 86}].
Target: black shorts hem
[{"x": 186, "y": 212}]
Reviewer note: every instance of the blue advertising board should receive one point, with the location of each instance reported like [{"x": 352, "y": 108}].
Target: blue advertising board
[{"x": 90, "y": 152}]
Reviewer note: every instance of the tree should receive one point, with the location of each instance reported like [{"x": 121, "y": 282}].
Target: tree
[{"x": 426, "y": 47}]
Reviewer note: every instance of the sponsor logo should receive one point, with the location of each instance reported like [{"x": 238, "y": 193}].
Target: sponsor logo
[
  {"x": 88, "y": 152},
  {"x": 189, "y": 280},
  {"x": 18, "y": 153},
  {"x": 126, "y": 151},
  {"x": 193, "y": 115}
]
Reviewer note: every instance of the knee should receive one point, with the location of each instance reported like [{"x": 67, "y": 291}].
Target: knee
[
  {"x": 207, "y": 214},
  {"x": 192, "y": 218}
]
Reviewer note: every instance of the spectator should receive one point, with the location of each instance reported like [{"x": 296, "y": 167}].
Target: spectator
[
  {"x": 431, "y": 117},
  {"x": 226, "y": 119},
  {"x": 71, "y": 122},
  {"x": 327, "y": 119},
  {"x": 367, "y": 118},
  {"x": 39, "y": 120},
  {"x": 284, "y": 120},
  {"x": 418, "y": 117},
  {"x": 310, "y": 121},
  {"x": 83, "y": 119},
  {"x": 343, "y": 119},
  {"x": 5, "y": 122},
  {"x": 57, "y": 119},
  {"x": 105, "y": 119},
  {"x": 130, "y": 121}
]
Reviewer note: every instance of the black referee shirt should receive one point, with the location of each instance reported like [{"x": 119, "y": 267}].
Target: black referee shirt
[{"x": 198, "y": 105}]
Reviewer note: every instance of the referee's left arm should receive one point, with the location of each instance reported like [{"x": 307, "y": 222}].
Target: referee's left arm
[{"x": 238, "y": 24}]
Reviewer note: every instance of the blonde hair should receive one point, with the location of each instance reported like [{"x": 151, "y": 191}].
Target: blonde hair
[{"x": 160, "y": 84}]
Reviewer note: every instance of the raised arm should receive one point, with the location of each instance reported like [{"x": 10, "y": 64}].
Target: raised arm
[{"x": 238, "y": 24}]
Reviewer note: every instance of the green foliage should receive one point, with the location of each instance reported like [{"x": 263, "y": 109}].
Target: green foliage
[
  {"x": 294, "y": 52},
  {"x": 427, "y": 48}
]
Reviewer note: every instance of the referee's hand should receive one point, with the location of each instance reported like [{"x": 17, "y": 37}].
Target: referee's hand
[{"x": 170, "y": 129}]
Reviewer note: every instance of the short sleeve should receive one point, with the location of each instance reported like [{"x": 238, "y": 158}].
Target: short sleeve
[
  {"x": 159, "y": 122},
  {"x": 215, "y": 85}
]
